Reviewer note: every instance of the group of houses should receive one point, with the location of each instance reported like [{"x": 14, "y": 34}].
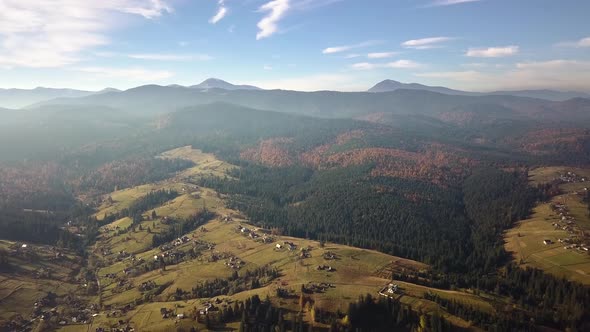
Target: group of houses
[
  {"x": 256, "y": 234},
  {"x": 325, "y": 268},
  {"x": 390, "y": 290},
  {"x": 312, "y": 288},
  {"x": 328, "y": 255},
  {"x": 571, "y": 177},
  {"x": 235, "y": 263},
  {"x": 147, "y": 286},
  {"x": 568, "y": 223},
  {"x": 78, "y": 313},
  {"x": 286, "y": 244}
]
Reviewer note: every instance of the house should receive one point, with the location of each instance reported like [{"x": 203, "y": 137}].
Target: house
[
  {"x": 392, "y": 288},
  {"x": 209, "y": 307},
  {"x": 290, "y": 245},
  {"x": 164, "y": 312}
]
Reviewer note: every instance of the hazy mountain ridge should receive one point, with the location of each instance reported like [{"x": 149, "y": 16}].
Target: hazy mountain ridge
[
  {"x": 154, "y": 99},
  {"x": 18, "y": 98},
  {"x": 215, "y": 83},
  {"x": 553, "y": 95}
]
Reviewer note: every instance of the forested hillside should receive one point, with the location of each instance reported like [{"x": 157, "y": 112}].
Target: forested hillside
[{"x": 426, "y": 177}]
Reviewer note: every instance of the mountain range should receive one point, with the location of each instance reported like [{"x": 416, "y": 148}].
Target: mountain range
[
  {"x": 385, "y": 96},
  {"x": 391, "y": 85}
]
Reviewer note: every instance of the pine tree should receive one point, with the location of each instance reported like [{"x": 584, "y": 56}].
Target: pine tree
[{"x": 301, "y": 302}]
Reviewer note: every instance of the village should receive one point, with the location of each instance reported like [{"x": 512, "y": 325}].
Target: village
[{"x": 578, "y": 237}]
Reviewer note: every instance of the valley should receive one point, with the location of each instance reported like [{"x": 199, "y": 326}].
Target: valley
[
  {"x": 409, "y": 209},
  {"x": 130, "y": 277},
  {"x": 555, "y": 238}
]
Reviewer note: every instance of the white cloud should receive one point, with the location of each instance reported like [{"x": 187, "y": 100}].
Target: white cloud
[
  {"x": 148, "y": 9},
  {"x": 171, "y": 57},
  {"x": 425, "y": 43},
  {"x": 584, "y": 42},
  {"x": 221, "y": 12},
  {"x": 381, "y": 55},
  {"x": 344, "y": 48},
  {"x": 399, "y": 64},
  {"x": 439, "y": 3},
  {"x": 130, "y": 74},
  {"x": 492, "y": 52},
  {"x": 267, "y": 67},
  {"x": 275, "y": 10},
  {"x": 54, "y": 33}
]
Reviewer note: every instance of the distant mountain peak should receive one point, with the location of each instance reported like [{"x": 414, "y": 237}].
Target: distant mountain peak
[
  {"x": 216, "y": 83},
  {"x": 105, "y": 90}
]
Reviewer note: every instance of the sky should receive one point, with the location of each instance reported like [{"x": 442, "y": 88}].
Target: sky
[{"x": 345, "y": 45}]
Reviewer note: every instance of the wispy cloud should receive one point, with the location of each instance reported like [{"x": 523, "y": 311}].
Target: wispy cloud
[
  {"x": 275, "y": 10},
  {"x": 344, "y": 48},
  {"x": 426, "y": 43},
  {"x": 221, "y": 12},
  {"x": 171, "y": 57},
  {"x": 399, "y": 64},
  {"x": 584, "y": 42},
  {"x": 440, "y": 3},
  {"x": 381, "y": 55},
  {"x": 148, "y": 9},
  {"x": 42, "y": 34},
  {"x": 492, "y": 52},
  {"x": 130, "y": 74}
]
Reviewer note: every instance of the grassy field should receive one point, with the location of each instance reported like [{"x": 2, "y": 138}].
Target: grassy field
[
  {"x": 355, "y": 274},
  {"x": 525, "y": 240},
  {"x": 206, "y": 164}
]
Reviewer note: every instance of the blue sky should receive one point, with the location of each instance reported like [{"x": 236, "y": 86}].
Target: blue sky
[{"x": 307, "y": 45}]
